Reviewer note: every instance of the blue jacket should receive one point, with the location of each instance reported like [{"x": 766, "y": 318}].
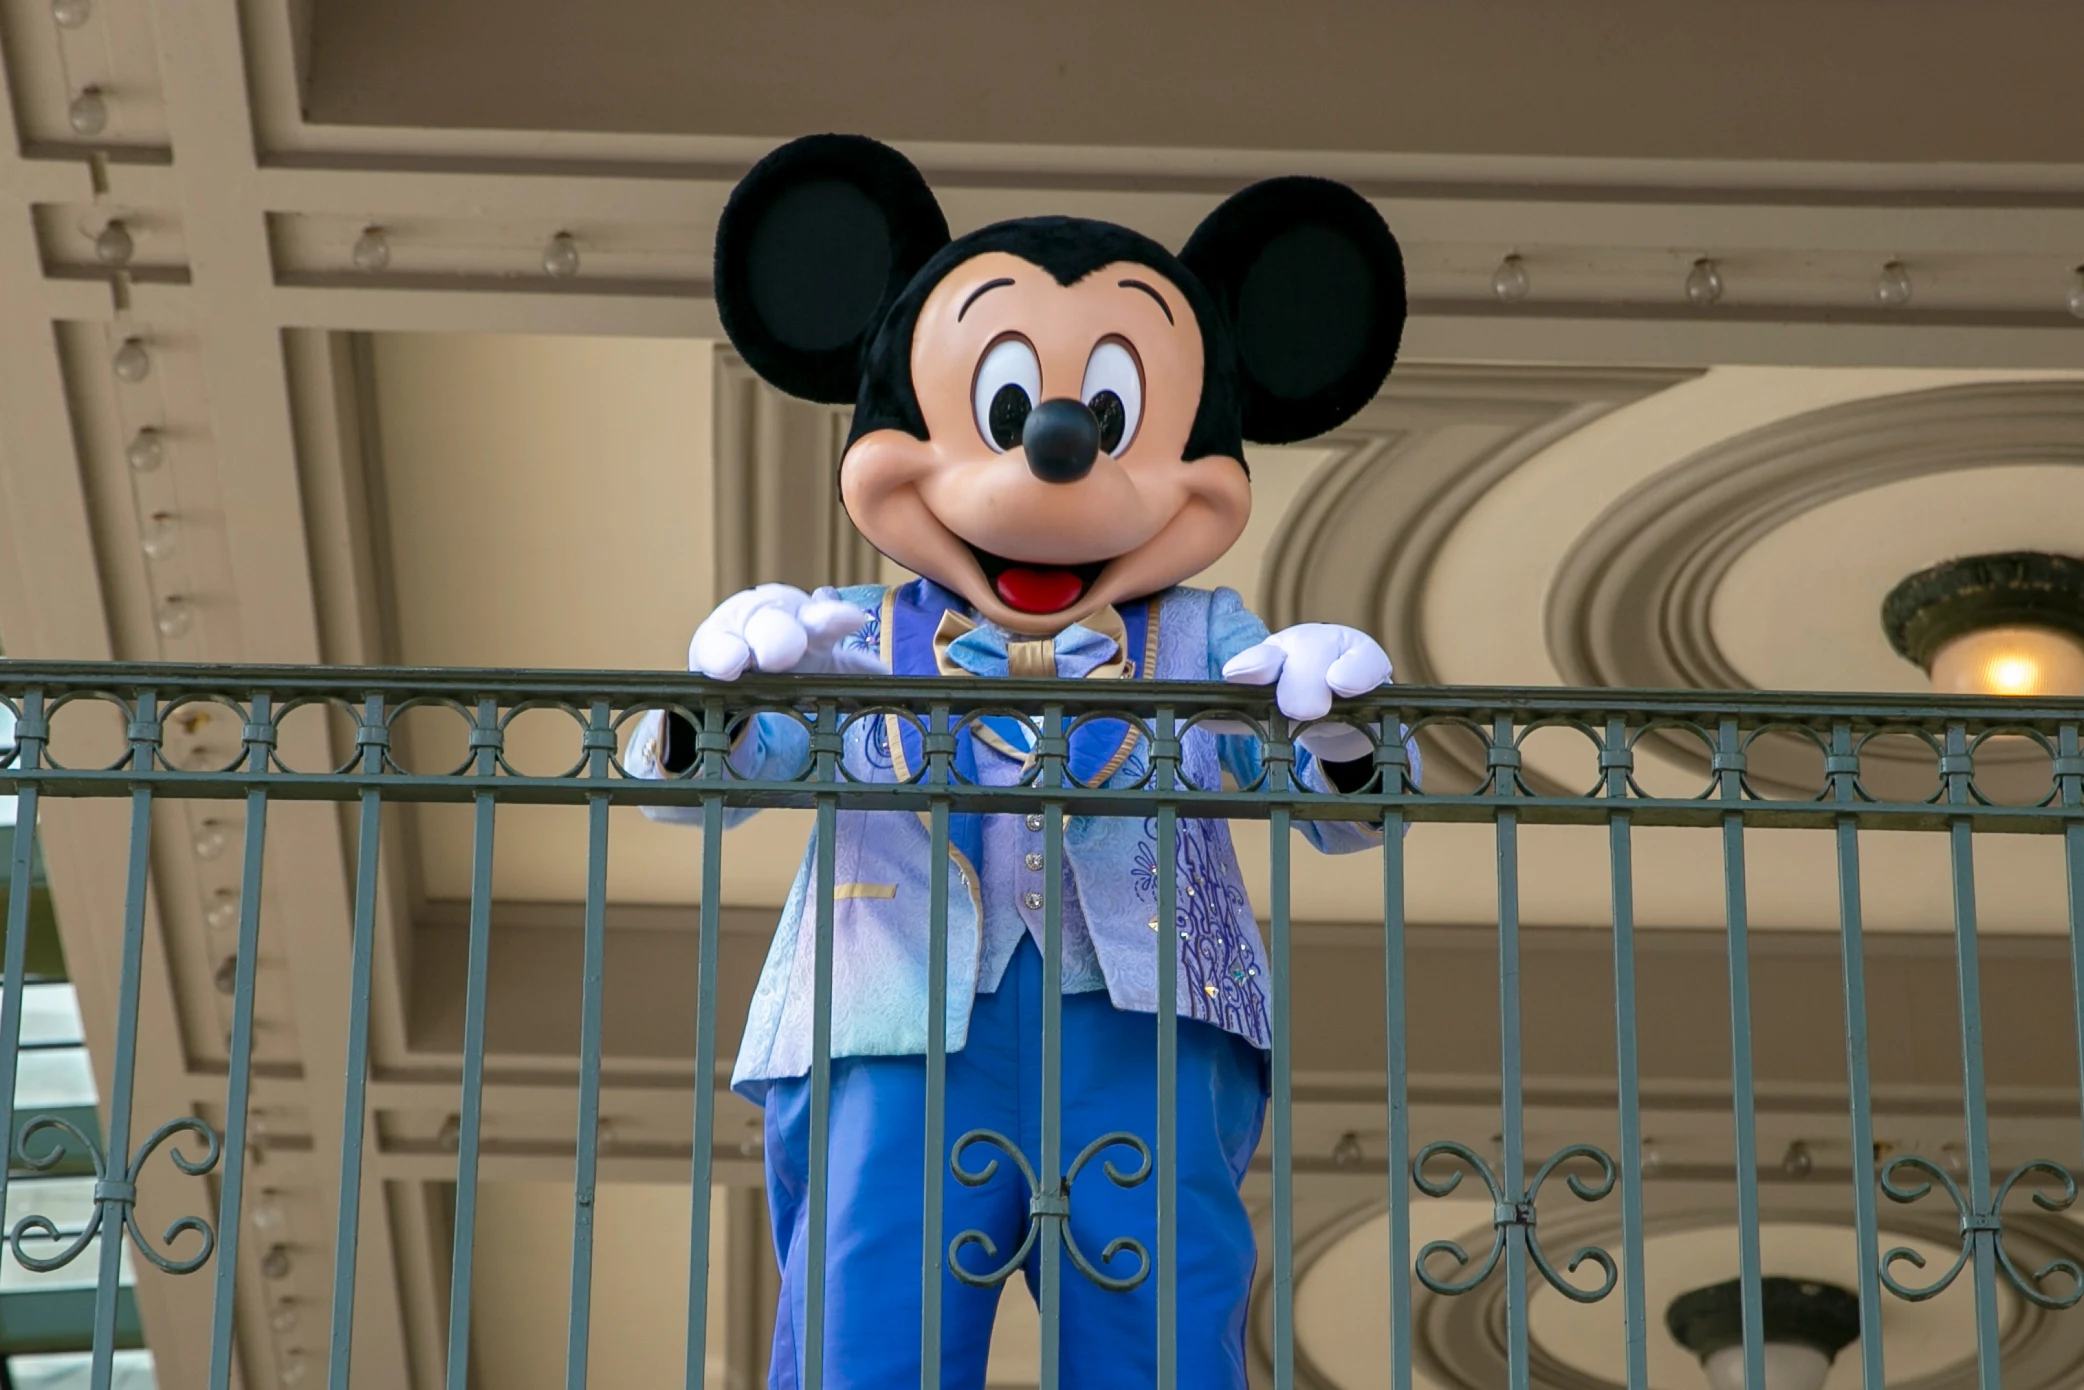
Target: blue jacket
[{"x": 881, "y": 883}]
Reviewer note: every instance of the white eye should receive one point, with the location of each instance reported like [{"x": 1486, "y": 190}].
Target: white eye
[
  {"x": 1113, "y": 391},
  {"x": 1009, "y": 382}
]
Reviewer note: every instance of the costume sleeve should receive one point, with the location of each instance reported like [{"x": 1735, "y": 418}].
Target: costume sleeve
[
  {"x": 1232, "y": 628},
  {"x": 770, "y": 747}
]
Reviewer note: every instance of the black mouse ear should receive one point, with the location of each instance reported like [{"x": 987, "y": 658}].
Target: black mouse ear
[
  {"x": 1313, "y": 285},
  {"x": 814, "y": 244}
]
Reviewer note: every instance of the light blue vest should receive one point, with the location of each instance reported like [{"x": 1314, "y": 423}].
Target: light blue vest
[{"x": 881, "y": 884}]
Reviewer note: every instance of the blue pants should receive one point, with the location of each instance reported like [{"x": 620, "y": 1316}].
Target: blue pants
[{"x": 872, "y": 1263}]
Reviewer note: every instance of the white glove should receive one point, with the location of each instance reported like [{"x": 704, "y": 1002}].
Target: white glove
[
  {"x": 778, "y": 628},
  {"x": 1313, "y": 662}
]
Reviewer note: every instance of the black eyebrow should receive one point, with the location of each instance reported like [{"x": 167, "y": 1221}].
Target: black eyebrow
[
  {"x": 1139, "y": 285},
  {"x": 985, "y": 288}
]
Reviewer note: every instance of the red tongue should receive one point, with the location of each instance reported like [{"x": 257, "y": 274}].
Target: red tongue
[{"x": 1039, "y": 590}]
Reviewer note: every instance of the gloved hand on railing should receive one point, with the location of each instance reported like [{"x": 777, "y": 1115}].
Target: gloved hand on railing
[
  {"x": 1312, "y": 662},
  {"x": 774, "y": 627}
]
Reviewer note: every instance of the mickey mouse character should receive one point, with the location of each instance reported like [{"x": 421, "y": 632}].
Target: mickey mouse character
[{"x": 1049, "y": 426}]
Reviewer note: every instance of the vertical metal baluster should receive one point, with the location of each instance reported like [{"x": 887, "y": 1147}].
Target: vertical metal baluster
[
  {"x": 1394, "y": 1029},
  {"x": 1616, "y": 761},
  {"x": 1956, "y": 765},
  {"x": 372, "y": 738},
  {"x": 260, "y": 745},
  {"x": 1512, "y": 1160},
  {"x": 144, "y": 744},
  {"x": 715, "y": 741},
  {"x": 825, "y": 746},
  {"x": 1165, "y": 764},
  {"x": 29, "y": 738},
  {"x": 485, "y": 742},
  {"x": 939, "y": 746},
  {"x": 600, "y": 747},
  {"x": 1050, "y": 1167},
  {"x": 2069, "y": 781},
  {"x": 1843, "y": 765},
  {"x": 1278, "y": 833},
  {"x": 1729, "y": 774}
]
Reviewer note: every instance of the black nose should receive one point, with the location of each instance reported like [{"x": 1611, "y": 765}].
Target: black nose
[{"x": 1062, "y": 439}]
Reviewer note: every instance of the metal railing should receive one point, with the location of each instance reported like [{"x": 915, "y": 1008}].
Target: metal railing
[{"x": 1836, "y": 766}]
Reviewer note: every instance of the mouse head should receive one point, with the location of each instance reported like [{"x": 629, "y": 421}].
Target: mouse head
[{"x": 1050, "y": 413}]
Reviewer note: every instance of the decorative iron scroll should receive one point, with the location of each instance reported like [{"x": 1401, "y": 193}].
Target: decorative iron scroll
[
  {"x": 1051, "y": 1205},
  {"x": 115, "y": 1198},
  {"x": 1514, "y": 1219},
  {"x": 1986, "y": 1225}
]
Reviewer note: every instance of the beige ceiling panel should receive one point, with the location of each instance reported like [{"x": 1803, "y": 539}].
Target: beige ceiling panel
[
  {"x": 547, "y": 498},
  {"x": 1777, "y": 79}
]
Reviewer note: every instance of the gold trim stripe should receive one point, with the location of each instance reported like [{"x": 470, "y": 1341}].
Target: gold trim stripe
[{"x": 863, "y": 890}]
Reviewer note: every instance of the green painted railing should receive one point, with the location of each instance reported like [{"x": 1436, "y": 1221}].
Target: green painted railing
[{"x": 1841, "y": 766}]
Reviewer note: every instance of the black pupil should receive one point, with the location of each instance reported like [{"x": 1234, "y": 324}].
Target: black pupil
[
  {"x": 1107, "y": 409},
  {"x": 1009, "y": 415}
]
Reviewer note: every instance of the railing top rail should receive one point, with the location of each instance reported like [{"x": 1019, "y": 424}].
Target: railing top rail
[{"x": 516, "y": 685}]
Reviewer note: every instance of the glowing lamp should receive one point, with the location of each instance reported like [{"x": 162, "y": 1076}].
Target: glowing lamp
[
  {"x": 1805, "y": 1324},
  {"x": 2008, "y": 624}
]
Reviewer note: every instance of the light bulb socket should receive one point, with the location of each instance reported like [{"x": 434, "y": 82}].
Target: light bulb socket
[
  {"x": 1802, "y": 1312},
  {"x": 2013, "y": 588},
  {"x": 132, "y": 362},
  {"x": 114, "y": 245}
]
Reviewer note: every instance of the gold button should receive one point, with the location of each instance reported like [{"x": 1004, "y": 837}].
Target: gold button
[
  {"x": 1035, "y": 823},
  {"x": 1033, "y": 861},
  {"x": 1033, "y": 901}
]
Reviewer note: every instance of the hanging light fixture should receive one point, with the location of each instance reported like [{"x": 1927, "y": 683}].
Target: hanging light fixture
[
  {"x": 2003, "y": 624},
  {"x": 1806, "y": 1324}
]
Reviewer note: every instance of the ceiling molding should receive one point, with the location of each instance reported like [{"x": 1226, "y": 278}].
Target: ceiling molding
[
  {"x": 1361, "y": 541},
  {"x": 1630, "y": 606},
  {"x": 779, "y": 519},
  {"x": 1461, "y": 1342}
]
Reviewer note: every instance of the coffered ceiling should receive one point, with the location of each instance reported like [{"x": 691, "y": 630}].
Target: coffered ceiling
[{"x": 435, "y": 449}]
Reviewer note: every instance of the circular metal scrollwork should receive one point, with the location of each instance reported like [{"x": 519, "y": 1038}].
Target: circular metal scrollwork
[
  {"x": 115, "y": 1198},
  {"x": 1050, "y": 1204}
]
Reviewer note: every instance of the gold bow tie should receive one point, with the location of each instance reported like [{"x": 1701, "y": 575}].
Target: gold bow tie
[{"x": 1035, "y": 658}]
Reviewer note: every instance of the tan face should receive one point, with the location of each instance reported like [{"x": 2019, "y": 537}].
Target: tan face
[{"x": 964, "y": 508}]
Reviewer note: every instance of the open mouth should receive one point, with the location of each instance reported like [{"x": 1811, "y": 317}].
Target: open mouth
[{"x": 1027, "y": 588}]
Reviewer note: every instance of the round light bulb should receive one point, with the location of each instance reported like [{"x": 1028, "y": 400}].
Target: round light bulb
[
  {"x": 71, "y": 14},
  {"x": 2013, "y": 660},
  {"x": 561, "y": 256},
  {"x": 1653, "y": 1159},
  {"x": 146, "y": 450},
  {"x": 210, "y": 840},
  {"x": 131, "y": 363},
  {"x": 283, "y": 1319},
  {"x": 226, "y": 976},
  {"x": 2077, "y": 293},
  {"x": 161, "y": 537},
  {"x": 1798, "y": 1162},
  {"x": 372, "y": 250},
  {"x": 115, "y": 245},
  {"x": 1510, "y": 281},
  {"x": 1704, "y": 283},
  {"x": 450, "y": 1135},
  {"x": 276, "y": 1263},
  {"x": 1347, "y": 1153},
  {"x": 295, "y": 1369},
  {"x": 223, "y": 912},
  {"x": 176, "y": 616},
  {"x": 1892, "y": 287},
  {"x": 268, "y": 1215},
  {"x": 1789, "y": 1366},
  {"x": 89, "y": 112}
]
